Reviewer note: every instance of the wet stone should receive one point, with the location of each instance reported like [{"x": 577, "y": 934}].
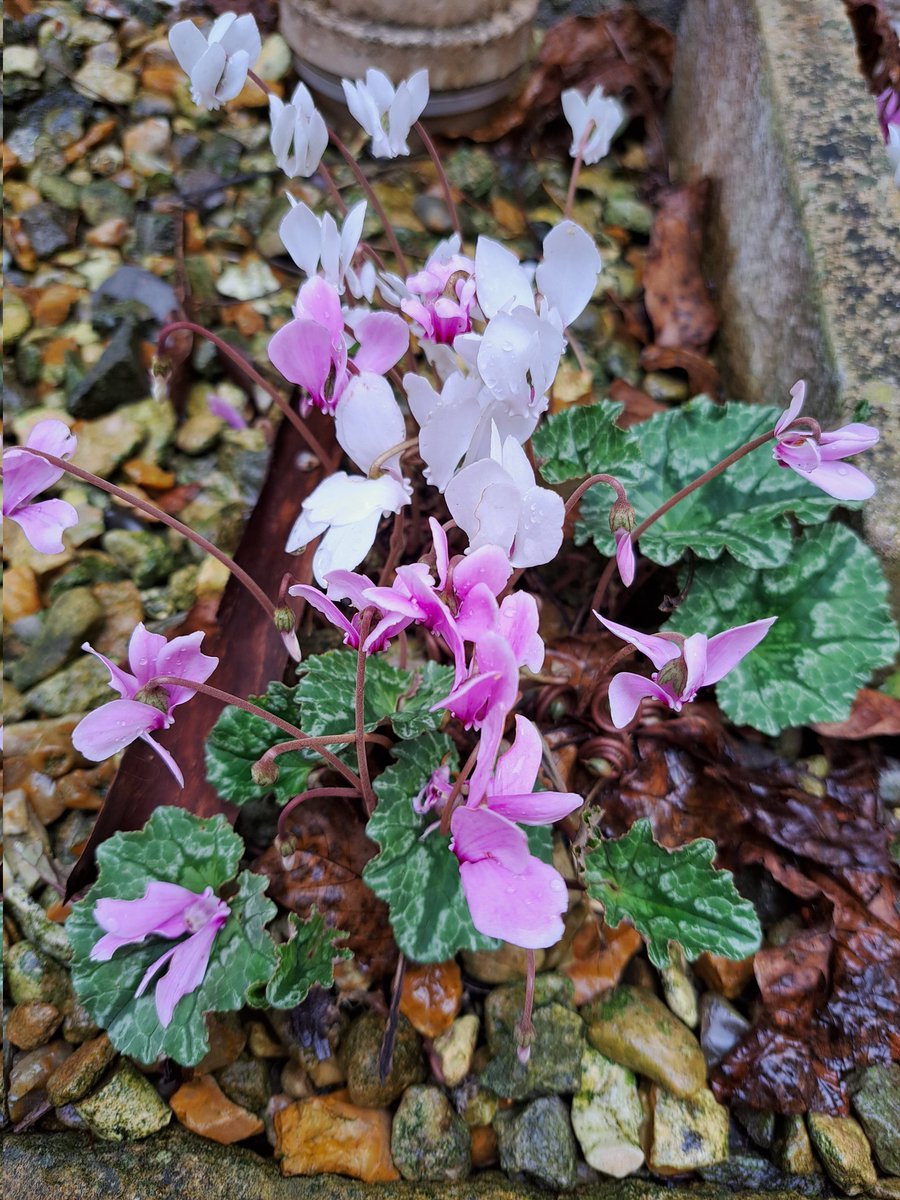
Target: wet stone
[
  {"x": 792, "y": 1150},
  {"x": 721, "y": 1027},
  {"x": 32, "y": 1024},
  {"x": 79, "y": 1026},
  {"x": 33, "y": 975},
  {"x": 76, "y": 688},
  {"x": 680, "y": 991},
  {"x": 323, "y": 1135},
  {"x": 81, "y": 1071},
  {"x": 49, "y": 228},
  {"x": 455, "y": 1048},
  {"x": 246, "y": 1082},
  {"x": 227, "y": 1039},
  {"x": 125, "y": 1108},
  {"x": 750, "y": 1175},
  {"x": 758, "y": 1124},
  {"x": 607, "y": 1116},
  {"x": 99, "y": 79},
  {"x": 359, "y": 1056},
  {"x": 117, "y": 377},
  {"x": 431, "y": 996},
  {"x": 635, "y": 1029},
  {"x": 538, "y": 1142},
  {"x": 146, "y": 557},
  {"x": 687, "y": 1134},
  {"x": 29, "y": 1075},
  {"x": 429, "y": 1141},
  {"x": 201, "y": 1106},
  {"x": 554, "y": 1064},
  {"x": 16, "y": 318},
  {"x": 499, "y": 966},
  {"x": 67, "y": 624},
  {"x": 845, "y": 1153},
  {"x": 47, "y": 935},
  {"x": 877, "y": 1104}
]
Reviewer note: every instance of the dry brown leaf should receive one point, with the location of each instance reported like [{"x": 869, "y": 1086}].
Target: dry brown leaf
[{"x": 675, "y": 291}]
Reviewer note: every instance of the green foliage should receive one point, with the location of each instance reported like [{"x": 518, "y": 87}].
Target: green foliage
[
  {"x": 584, "y": 440},
  {"x": 238, "y": 739},
  {"x": 671, "y": 895},
  {"x": 174, "y": 847},
  {"x": 834, "y": 629},
  {"x": 419, "y": 877},
  {"x": 307, "y": 959},
  {"x": 745, "y": 511}
]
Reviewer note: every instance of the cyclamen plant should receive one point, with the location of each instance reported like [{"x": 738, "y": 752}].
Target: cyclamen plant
[{"x": 483, "y": 336}]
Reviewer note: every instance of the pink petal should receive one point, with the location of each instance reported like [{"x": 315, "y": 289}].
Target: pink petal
[
  {"x": 186, "y": 969},
  {"x": 110, "y": 728},
  {"x": 535, "y": 808},
  {"x": 384, "y": 632},
  {"x": 523, "y": 908},
  {"x": 626, "y": 693},
  {"x": 841, "y": 480},
  {"x": 850, "y": 439},
  {"x": 726, "y": 650},
  {"x": 480, "y": 833},
  {"x": 166, "y": 757},
  {"x": 518, "y": 768},
  {"x": 183, "y": 658},
  {"x": 518, "y": 623},
  {"x": 488, "y": 565},
  {"x": 160, "y": 911},
  {"x": 798, "y": 395},
  {"x": 441, "y": 551},
  {"x": 694, "y": 655},
  {"x": 348, "y": 585},
  {"x": 383, "y": 340},
  {"x": 625, "y": 556},
  {"x": 329, "y": 610},
  {"x": 24, "y": 478},
  {"x": 491, "y": 726},
  {"x": 302, "y": 352},
  {"x": 658, "y": 649},
  {"x": 126, "y": 685},
  {"x": 43, "y": 524},
  {"x": 478, "y": 614},
  {"x": 319, "y": 300},
  {"x": 53, "y": 437},
  {"x": 144, "y": 648}
]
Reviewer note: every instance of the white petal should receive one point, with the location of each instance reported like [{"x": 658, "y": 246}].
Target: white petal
[
  {"x": 188, "y": 44},
  {"x": 301, "y": 233},
  {"x": 540, "y": 531},
  {"x": 568, "y": 275},
  {"x": 368, "y": 420},
  {"x": 499, "y": 278}
]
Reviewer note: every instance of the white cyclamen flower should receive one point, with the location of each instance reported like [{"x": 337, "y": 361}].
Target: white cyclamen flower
[
  {"x": 893, "y": 149},
  {"x": 316, "y": 244},
  {"x": 386, "y": 113},
  {"x": 216, "y": 65},
  {"x": 594, "y": 122},
  {"x": 299, "y": 123},
  {"x": 346, "y": 509},
  {"x": 496, "y": 502}
]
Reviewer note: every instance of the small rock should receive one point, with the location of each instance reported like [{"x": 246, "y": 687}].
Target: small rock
[
  {"x": 752, "y": 1175},
  {"x": 33, "y": 975},
  {"x": 102, "y": 201},
  {"x": 607, "y": 1116},
  {"x": 251, "y": 280},
  {"x": 724, "y": 975},
  {"x": 597, "y": 958},
  {"x": 554, "y": 1064},
  {"x": 623, "y": 208},
  {"x": 227, "y": 1039},
  {"x": 538, "y": 1142},
  {"x": 635, "y": 1029},
  {"x": 20, "y": 594},
  {"x": 758, "y": 1124},
  {"x": 98, "y": 81},
  {"x": 105, "y": 443},
  {"x": 886, "y": 1189},
  {"x": 721, "y": 1027},
  {"x": 148, "y": 475},
  {"x": 322, "y": 1135},
  {"x": 79, "y": 1026},
  {"x": 246, "y": 1082},
  {"x": 359, "y": 1056},
  {"x": 428, "y": 1139},
  {"x": 664, "y": 387},
  {"x": 16, "y": 318},
  {"x": 127, "y": 1107},
  {"x": 28, "y": 1078},
  {"x": 261, "y": 1042},
  {"x": 34, "y": 923},
  {"x": 431, "y": 996},
  {"x": 295, "y": 1082},
  {"x": 54, "y": 304},
  {"x": 476, "y": 1105},
  {"x": 845, "y": 1153},
  {"x": 117, "y": 376},
  {"x": 80, "y": 1072},
  {"x": 274, "y": 60},
  {"x": 146, "y": 557},
  {"x": 68, "y": 622},
  {"x": 49, "y": 228},
  {"x": 455, "y": 1047},
  {"x": 109, "y": 233},
  {"x": 792, "y": 1150},
  {"x": 23, "y": 60},
  {"x": 687, "y": 1134},
  {"x": 679, "y": 990},
  {"x": 201, "y": 1106},
  {"x": 78, "y": 687},
  {"x": 199, "y": 433},
  {"x": 877, "y": 1104},
  {"x": 33, "y": 1024},
  {"x": 146, "y": 146}
]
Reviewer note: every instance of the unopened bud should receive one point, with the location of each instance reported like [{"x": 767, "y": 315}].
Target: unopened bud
[
  {"x": 674, "y": 674},
  {"x": 286, "y": 845},
  {"x": 160, "y": 374},
  {"x": 264, "y": 772},
  {"x": 622, "y": 516},
  {"x": 155, "y": 695},
  {"x": 284, "y": 620}
]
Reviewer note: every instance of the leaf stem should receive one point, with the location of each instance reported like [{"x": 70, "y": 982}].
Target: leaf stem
[
  {"x": 442, "y": 176},
  {"x": 573, "y": 178},
  {"x": 456, "y": 790}
]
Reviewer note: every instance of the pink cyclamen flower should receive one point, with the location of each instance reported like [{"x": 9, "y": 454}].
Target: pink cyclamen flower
[
  {"x": 441, "y": 296},
  {"x": 625, "y": 556},
  {"x": 821, "y": 462},
  {"x": 888, "y": 105},
  {"x": 25, "y": 476},
  {"x": 511, "y": 894},
  {"x": 681, "y": 669},
  {"x": 313, "y": 349},
  {"x": 165, "y": 910},
  {"x": 144, "y": 706}
]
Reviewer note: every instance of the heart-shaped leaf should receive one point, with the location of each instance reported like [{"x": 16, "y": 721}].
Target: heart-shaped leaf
[
  {"x": 671, "y": 896},
  {"x": 834, "y": 629},
  {"x": 746, "y": 510},
  {"x": 584, "y": 440},
  {"x": 306, "y": 959},
  {"x": 173, "y": 847}
]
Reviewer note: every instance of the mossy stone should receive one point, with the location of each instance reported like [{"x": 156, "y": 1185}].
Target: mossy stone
[
  {"x": 81, "y": 1071},
  {"x": 125, "y": 1108},
  {"x": 877, "y": 1104},
  {"x": 360, "y": 1053},
  {"x": 428, "y": 1139},
  {"x": 146, "y": 557},
  {"x": 845, "y": 1153},
  {"x": 33, "y": 975},
  {"x": 538, "y": 1142}
]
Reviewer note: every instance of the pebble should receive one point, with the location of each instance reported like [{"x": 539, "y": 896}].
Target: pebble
[
  {"x": 687, "y": 1134},
  {"x": 261, "y": 1042},
  {"x": 274, "y": 60},
  {"x": 32, "y": 1024},
  {"x": 201, "y": 1106},
  {"x": 359, "y": 1056},
  {"x": 32, "y": 920},
  {"x": 126, "y": 1107},
  {"x": 246, "y": 1082},
  {"x": 431, "y": 996},
  {"x": 104, "y": 443},
  {"x": 227, "y": 1039},
  {"x": 635, "y": 1029},
  {"x": 20, "y": 594},
  {"x": 146, "y": 558},
  {"x": 112, "y": 232},
  {"x": 877, "y": 1104},
  {"x": 97, "y": 80},
  {"x": 68, "y": 622},
  {"x": 484, "y": 1148},
  {"x": 16, "y": 318},
  {"x": 792, "y": 1149},
  {"x": 679, "y": 990},
  {"x": 538, "y": 1142},
  {"x": 23, "y": 60},
  {"x": 251, "y": 280},
  {"x": 148, "y": 475},
  {"x": 845, "y": 1153},
  {"x": 81, "y": 1071},
  {"x": 79, "y": 1026},
  {"x": 28, "y": 1078},
  {"x": 721, "y": 1027},
  {"x": 724, "y": 975},
  {"x": 54, "y": 304},
  {"x": 295, "y": 1082},
  {"x": 607, "y": 1116},
  {"x": 33, "y": 975},
  {"x": 325, "y": 1135},
  {"x": 147, "y": 145},
  {"x": 455, "y": 1048},
  {"x": 429, "y": 1141}
]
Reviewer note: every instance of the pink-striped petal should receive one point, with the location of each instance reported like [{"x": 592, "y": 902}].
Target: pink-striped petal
[
  {"x": 480, "y": 833},
  {"x": 187, "y": 968}
]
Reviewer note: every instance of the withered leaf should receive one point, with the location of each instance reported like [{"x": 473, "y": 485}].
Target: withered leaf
[{"x": 675, "y": 291}]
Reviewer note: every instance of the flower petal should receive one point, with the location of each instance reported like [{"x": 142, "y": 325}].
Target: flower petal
[
  {"x": 523, "y": 908},
  {"x": 481, "y": 833},
  {"x": 626, "y": 691},
  {"x": 187, "y": 967},
  {"x": 517, "y": 769},
  {"x": 658, "y": 649},
  {"x": 113, "y": 726},
  {"x": 43, "y": 524},
  {"x": 725, "y": 650},
  {"x": 568, "y": 275}
]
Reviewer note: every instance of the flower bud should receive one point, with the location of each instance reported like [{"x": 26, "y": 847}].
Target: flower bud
[
  {"x": 622, "y": 516},
  {"x": 264, "y": 772},
  {"x": 284, "y": 619},
  {"x": 160, "y": 374},
  {"x": 286, "y": 845}
]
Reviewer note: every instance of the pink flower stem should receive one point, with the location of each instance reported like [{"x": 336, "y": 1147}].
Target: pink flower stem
[
  {"x": 362, "y": 761},
  {"x": 373, "y": 197},
  {"x": 456, "y": 790},
  {"x": 525, "y": 1026},
  {"x": 251, "y": 372},
  {"x": 442, "y": 176},
  {"x": 173, "y": 523},
  {"x": 395, "y": 548},
  {"x": 573, "y": 178},
  {"x": 260, "y": 83},
  {"x": 313, "y": 794},
  {"x": 589, "y": 483},
  {"x": 733, "y": 457}
]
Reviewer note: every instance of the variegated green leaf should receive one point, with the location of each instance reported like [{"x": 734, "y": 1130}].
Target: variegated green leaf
[
  {"x": 584, "y": 440},
  {"x": 307, "y": 959}
]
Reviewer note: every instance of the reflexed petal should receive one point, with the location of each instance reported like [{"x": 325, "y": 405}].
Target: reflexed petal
[
  {"x": 485, "y": 504},
  {"x": 568, "y": 275},
  {"x": 480, "y": 833},
  {"x": 206, "y": 76},
  {"x": 55, "y": 437},
  {"x": 43, "y": 524},
  {"x": 694, "y": 654},
  {"x": 726, "y": 650},
  {"x": 187, "y": 966},
  {"x": 441, "y": 551},
  {"x": 242, "y": 36},
  {"x": 113, "y": 726},
  {"x": 345, "y": 546},
  {"x": 302, "y": 351},
  {"x": 625, "y": 556},
  {"x": 539, "y": 533},
  {"x": 500, "y": 278},
  {"x": 24, "y": 477},
  {"x": 349, "y": 585},
  {"x": 575, "y": 110},
  {"x": 536, "y": 808},
  {"x": 626, "y": 691},
  {"x": 368, "y": 421},
  {"x": 301, "y": 235},
  {"x": 523, "y": 908},
  {"x": 841, "y": 480},
  {"x": 144, "y": 648},
  {"x": 188, "y": 44},
  {"x": 234, "y": 76},
  {"x": 320, "y": 301},
  {"x": 849, "y": 439},
  {"x": 792, "y": 412},
  {"x": 479, "y": 612},
  {"x": 488, "y": 565},
  {"x": 183, "y": 658},
  {"x": 658, "y": 649},
  {"x": 160, "y": 911},
  {"x": 518, "y": 768},
  {"x": 328, "y": 609},
  {"x": 446, "y": 437},
  {"x": 518, "y": 625},
  {"x": 351, "y": 232},
  {"x": 167, "y": 758},
  {"x": 121, "y": 681}
]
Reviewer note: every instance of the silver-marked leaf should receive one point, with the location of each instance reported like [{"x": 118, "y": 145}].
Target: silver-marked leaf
[
  {"x": 327, "y": 692},
  {"x": 671, "y": 896},
  {"x": 584, "y": 440},
  {"x": 432, "y": 683},
  {"x": 834, "y": 629},
  {"x": 307, "y": 959},
  {"x": 745, "y": 511},
  {"x": 174, "y": 847},
  {"x": 418, "y": 876}
]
